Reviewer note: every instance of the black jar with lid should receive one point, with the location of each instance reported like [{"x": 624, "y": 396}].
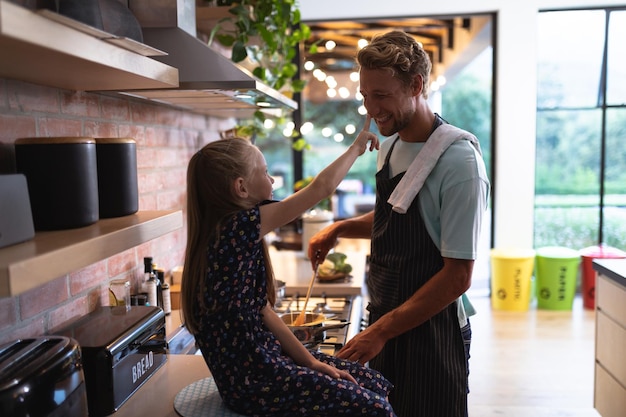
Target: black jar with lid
[
  {"x": 117, "y": 176},
  {"x": 62, "y": 178}
]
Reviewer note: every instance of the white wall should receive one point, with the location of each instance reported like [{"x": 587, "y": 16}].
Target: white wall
[{"x": 515, "y": 83}]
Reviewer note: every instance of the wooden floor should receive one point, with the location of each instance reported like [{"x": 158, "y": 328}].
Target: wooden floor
[{"x": 537, "y": 363}]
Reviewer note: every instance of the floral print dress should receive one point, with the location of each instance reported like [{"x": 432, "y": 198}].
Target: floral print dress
[{"x": 252, "y": 374}]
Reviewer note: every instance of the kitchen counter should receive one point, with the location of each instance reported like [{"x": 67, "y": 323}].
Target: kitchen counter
[
  {"x": 295, "y": 270},
  {"x": 614, "y": 269},
  {"x": 610, "y": 368}
]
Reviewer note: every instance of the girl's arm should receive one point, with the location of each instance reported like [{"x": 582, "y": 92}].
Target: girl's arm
[
  {"x": 296, "y": 350},
  {"x": 323, "y": 185}
]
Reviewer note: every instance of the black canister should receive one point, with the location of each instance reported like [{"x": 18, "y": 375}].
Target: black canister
[
  {"x": 117, "y": 176},
  {"x": 62, "y": 178}
]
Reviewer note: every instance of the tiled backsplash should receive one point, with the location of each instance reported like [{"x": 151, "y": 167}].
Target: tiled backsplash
[{"x": 166, "y": 138}]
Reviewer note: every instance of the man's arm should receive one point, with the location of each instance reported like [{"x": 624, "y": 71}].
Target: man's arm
[{"x": 443, "y": 288}]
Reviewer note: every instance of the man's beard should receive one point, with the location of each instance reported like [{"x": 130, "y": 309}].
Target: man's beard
[{"x": 399, "y": 123}]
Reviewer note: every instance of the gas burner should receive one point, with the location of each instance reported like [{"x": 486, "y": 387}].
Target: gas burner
[
  {"x": 323, "y": 306},
  {"x": 335, "y": 308}
]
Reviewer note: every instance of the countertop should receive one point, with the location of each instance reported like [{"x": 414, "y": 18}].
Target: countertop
[
  {"x": 292, "y": 267},
  {"x": 614, "y": 269}
]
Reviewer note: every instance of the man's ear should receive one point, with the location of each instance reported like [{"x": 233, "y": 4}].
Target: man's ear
[
  {"x": 418, "y": 85},
  {"x": 240, "y": 188}
]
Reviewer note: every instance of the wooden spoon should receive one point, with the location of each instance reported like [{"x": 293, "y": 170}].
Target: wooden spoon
[{"x": 302, "y": 316}]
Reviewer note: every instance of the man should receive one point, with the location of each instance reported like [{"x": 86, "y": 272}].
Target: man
[{"x": 423, "y": 250}]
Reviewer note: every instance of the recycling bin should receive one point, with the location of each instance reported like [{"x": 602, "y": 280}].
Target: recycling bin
[
  {"x": 556, "y": 274},
  {"x": 588, "y": 254},
  {"x": 511, "y": 275}
]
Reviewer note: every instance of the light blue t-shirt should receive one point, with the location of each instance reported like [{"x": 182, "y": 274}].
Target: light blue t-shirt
[{"x": 452, "y": 201}]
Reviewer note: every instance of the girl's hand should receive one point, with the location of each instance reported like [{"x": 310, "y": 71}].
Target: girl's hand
[
  {"x": 331, "y": 371},
  {"x": 366, "y": 136}
]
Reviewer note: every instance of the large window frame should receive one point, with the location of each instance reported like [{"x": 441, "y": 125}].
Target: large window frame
[{"x": 578, "y": 197}]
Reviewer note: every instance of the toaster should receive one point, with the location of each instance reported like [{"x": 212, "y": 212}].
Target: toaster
[{"x": 42, "y": 377}]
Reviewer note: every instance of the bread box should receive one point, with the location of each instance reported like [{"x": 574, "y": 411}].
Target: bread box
[{"x": 121, "y": 350}]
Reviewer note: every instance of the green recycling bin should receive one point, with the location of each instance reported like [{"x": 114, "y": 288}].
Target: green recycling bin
[{"x": 556, "y": 272}]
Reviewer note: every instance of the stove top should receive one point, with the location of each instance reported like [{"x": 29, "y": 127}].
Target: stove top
[
  {"x": 336, "y": 308},
  {"x": 327, "y": 305}
]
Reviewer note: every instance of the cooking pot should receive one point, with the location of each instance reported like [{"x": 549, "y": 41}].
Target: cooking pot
[{"x": 313, "y": 331}]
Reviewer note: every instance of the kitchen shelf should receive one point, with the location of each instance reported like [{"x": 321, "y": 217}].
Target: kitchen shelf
[
  {"x": 52, "y": 254},
  {"x": 42, "y": 51}
]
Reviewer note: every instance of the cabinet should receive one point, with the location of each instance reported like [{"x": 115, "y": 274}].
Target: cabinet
[
  {"x": 610, "y": 367},
  {"x": 55, "y": 253},
  {"x": 41, "y": 51}
]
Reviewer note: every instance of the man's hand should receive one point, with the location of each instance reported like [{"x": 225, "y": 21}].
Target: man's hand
[{"x": 362, "y": 347}]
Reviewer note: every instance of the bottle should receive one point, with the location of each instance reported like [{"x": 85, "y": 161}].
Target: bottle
[
  {"x": 150, "y": 283},
  {"x": 151, "y": 289},
  {"x": 167, "y": 298},
  {"x": 160, "y": 278},
  {"x": 147, "y": 270}
]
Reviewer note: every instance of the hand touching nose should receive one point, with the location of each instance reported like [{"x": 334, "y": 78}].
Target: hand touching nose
[{"x": 366, "y": 136}]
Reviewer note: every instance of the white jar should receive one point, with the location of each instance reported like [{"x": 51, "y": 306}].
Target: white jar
[{"x": 312, "y": 222}]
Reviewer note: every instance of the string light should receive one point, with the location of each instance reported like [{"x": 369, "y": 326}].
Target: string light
[
  {"x": 306, "y": 128},
  {"x": 344, "y": 92},
  {"x": 338, "y": 137},
  {"x": 319, "y": 75}
]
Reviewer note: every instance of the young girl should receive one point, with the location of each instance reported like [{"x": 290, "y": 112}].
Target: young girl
[{"x": 258, "y": 364}]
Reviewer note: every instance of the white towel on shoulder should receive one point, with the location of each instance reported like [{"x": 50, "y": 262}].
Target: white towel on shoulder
[{"x": 414, "y": 177}]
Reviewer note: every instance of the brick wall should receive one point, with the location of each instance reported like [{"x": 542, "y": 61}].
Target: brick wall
[{"x": 166, "y": 138}]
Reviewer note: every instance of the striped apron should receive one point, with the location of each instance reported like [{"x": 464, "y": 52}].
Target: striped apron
[{"x": 427, "y": 364}]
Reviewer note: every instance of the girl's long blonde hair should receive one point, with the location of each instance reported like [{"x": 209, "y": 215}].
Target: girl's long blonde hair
[{"x": 210, "y": 201}]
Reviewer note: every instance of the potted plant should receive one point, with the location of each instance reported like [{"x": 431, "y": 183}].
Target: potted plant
[
  {"x": 268, "y": 33},
  {"x": 265, "y": 35}
]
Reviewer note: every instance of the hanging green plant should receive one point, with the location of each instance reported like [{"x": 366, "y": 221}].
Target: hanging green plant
[{"x": 268, "y": 33}]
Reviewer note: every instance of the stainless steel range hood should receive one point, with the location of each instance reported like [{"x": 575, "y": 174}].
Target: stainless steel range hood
[{"x": 209, "y": 83}]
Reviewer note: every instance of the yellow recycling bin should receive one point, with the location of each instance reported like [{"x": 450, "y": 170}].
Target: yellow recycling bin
[
  {"x": 557, "y": 273},
  {"x": 511, "y": 274}
]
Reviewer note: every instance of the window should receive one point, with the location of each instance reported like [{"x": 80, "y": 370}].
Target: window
[
  {"x": 332, "y": 124},
  {"x": 580, "y": 184}
]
